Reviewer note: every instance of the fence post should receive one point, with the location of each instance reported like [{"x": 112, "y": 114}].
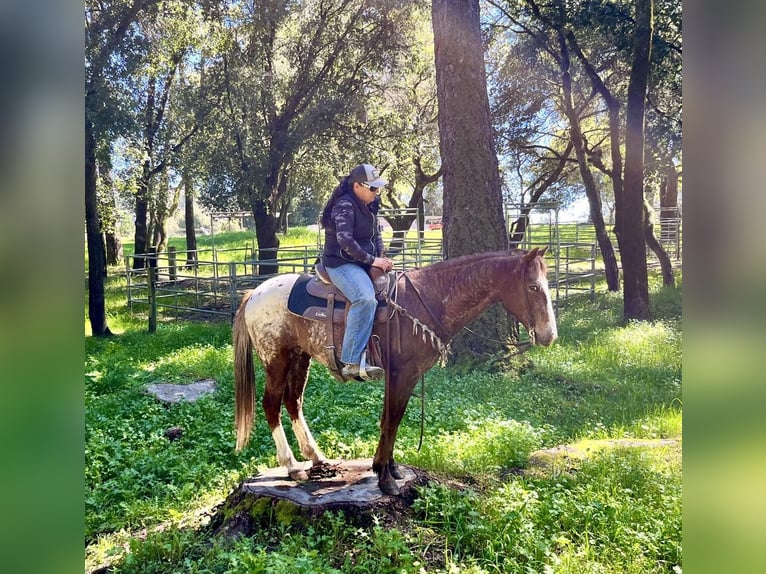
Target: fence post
[
  {"x": 130, "y": 284},
  {"x": 172, "y": 263},
  {"x": 592, "y": 271},
  {"x": 152, "y": 289},
  {"x": 233, "y": 288}
]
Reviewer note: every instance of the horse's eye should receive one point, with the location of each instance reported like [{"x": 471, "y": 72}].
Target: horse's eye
[{"x": 534, "y": 287}]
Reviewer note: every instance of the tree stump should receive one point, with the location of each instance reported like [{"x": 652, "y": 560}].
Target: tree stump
[{"x": 348, "y": 486}]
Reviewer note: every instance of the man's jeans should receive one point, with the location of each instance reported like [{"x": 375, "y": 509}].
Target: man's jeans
[{"x": 356, "y": 285}]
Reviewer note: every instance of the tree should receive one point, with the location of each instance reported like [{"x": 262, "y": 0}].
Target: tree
[
  {"x": 170, "y": 38},
  {"x": 107, "y": 35},
  {"x": 544, "y": 42},
  {"x": 591, "y": 190},
  {"x": 599, "y": 36},
  {"x": 473, "y": 212},
  {"x": 632, "y": 250},
  {"x": 288, "y": 73}
]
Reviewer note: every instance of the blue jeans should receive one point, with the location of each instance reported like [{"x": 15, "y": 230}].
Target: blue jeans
[{"x": 356, "y": 285}]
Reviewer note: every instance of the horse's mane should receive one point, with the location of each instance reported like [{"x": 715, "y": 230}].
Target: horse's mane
[{"x": 463, "y": 260}]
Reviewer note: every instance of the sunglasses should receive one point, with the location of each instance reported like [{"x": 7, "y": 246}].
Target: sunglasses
[{"x": 370, "y": 187}]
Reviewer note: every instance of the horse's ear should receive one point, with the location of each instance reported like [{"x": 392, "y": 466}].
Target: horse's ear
[
  {"x": 534, "y": 253},
  {"x": 530, "y": 255}
]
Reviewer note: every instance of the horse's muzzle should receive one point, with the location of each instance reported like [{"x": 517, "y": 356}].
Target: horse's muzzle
[{"x": 545, "y": 338}]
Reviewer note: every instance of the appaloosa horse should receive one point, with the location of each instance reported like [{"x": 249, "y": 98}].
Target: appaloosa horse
[{"x": 431, "y": 305}]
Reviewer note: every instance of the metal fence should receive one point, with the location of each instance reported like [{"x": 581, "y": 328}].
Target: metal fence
[
  {"x": 212, "y": 281},
  {"x": 173, "y": 284}
]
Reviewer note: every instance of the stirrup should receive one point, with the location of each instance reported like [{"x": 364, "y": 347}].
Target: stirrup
[{"x": 364, "y": 374}]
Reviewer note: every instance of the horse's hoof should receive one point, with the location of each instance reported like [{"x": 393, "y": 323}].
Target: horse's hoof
[
  {"x": 388, "y": 486},
  {"x": 299, "y": 475},
  {"x": 393, "y": 468}
]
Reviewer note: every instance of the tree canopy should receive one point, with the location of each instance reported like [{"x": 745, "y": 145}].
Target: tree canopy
[{"x": 263, "y": 106}]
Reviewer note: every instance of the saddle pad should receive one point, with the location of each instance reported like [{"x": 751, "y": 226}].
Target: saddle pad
[
  {"x": 300, "y": 299},
  {"x": 303, "y": 303}
]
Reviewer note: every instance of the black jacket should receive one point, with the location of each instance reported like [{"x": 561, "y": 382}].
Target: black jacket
[{"x": 353, "y": 235}]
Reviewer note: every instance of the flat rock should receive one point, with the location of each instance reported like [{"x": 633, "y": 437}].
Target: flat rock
[
  {"x": 570, "y": 453},
  {"x": 173, "y": 393}
]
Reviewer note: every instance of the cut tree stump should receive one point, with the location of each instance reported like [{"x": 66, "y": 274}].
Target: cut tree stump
[{"x": 348, "y": 486}]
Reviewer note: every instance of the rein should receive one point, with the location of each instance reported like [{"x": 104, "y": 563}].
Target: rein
[
  {"x": 521, "y": 346},
  {"x": 436, "y": 342}
]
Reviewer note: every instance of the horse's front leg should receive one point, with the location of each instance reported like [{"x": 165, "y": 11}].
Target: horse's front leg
[{"x": 397, "y": 396}]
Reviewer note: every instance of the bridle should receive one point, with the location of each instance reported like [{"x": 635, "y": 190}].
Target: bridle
[
  {"x": 531, "y": 326},
  {"x": 436, "y": 338}
]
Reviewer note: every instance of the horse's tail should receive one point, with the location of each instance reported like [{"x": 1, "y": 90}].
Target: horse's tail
[{"x": 244, "y": 376}]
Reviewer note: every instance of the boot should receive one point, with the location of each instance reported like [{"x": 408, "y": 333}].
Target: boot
[{"x": 351, "y": 371}]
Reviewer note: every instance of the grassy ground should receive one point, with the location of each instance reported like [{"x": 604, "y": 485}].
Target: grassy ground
[{"x": 617, "y": 511}]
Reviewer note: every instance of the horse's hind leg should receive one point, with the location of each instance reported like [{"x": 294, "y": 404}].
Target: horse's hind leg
[
  {"x": 293, "y": 398},
  {"x": 277, "y": 369}
]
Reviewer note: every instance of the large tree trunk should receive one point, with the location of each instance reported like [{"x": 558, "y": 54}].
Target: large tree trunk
[
  {"x": 96, "y": 258},
  {"x": 113, "y": 248},
  {"x": 191, "y": 234},
  {"x": 473, "y": 208},
  {"x": 632, "y": 248},
  {"x": 591, "y": 190}
]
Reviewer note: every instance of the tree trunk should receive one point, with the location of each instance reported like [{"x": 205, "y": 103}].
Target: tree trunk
[
  {"x": 632, "y": 248},
  {"x": 591, "y": 191},
  {"x": 613, "y": 109},
  {"x": 473, "y": 207},
  {"x": 108, "y": 216},
  {"x": 96, "y": 256},
  {"x": 662, "y": 256},
  {"x": 401, "y": 223},
  {"x": 191, "y": 234},
  {"x": 141, "y": 237},
  {"x": 166, "y": 205},
  {"x": 113, "y": 248},
  {"x": 669, "y": 213},
  {"x": 266, "y": 234}
]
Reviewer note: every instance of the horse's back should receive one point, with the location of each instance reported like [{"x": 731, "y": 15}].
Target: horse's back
[{"x": 266, "y": 311}]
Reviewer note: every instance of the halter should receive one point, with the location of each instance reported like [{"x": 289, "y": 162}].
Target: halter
[{"x": 521, "y": 346}]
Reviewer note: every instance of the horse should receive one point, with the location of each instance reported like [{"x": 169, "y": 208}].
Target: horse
[{"x": 432, "y": 304}]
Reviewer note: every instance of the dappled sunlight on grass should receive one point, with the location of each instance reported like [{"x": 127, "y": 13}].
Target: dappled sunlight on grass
[
  {"x": 483, "y": 448},
  {"x": 192, "y": 363}
]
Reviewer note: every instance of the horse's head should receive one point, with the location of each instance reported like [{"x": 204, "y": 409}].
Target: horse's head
[{"x": 533, "y": 307}]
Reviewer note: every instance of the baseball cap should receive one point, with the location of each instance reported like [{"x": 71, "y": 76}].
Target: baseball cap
[{"x": 366, "y": 173}]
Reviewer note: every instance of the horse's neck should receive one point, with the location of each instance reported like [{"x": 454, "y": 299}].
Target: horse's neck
[{"x": 459, "y": 294}]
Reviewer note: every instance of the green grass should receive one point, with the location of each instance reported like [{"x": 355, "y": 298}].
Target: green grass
[{"x": 617, "y": 511}]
